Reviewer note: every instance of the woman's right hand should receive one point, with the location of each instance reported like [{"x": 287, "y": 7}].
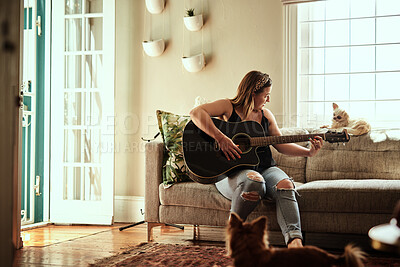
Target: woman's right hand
[{"x": 229, "y": 148}]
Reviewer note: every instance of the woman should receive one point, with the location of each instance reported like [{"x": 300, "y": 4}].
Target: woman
[{"x": 246, "y": 188}]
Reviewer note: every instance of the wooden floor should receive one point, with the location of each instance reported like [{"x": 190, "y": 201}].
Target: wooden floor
[{"x": 80, "y": 245}]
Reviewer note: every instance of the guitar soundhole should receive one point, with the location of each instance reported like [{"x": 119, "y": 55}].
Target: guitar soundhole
[{"x": 243, "y": 140}]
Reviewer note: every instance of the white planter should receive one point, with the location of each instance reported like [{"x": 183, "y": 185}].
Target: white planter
[
  {"x": 195, "y": 63},
  {"x": 154, "y": 48},
  {"x": 155, "y": 6},
  {"x": 193, "y": 23}
]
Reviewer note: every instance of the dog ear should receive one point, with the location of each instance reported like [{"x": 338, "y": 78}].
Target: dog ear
[
  {"x": 335, "y": 106},
  {"x": 260, "y": 224},
  {"x": 235, "y": 221}
]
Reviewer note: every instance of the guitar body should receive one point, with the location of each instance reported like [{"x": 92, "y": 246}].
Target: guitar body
[{"x": 205, "y": 161}]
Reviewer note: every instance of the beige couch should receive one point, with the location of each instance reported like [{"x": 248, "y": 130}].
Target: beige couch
[{"x": 344, "y": 191}]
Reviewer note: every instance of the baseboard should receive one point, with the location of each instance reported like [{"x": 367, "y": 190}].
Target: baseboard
[
  {"x": 34, "y": 225},
  {"x": 127, "y": 209}
]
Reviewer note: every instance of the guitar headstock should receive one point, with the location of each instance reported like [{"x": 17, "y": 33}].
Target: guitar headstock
[{"x": 337, "y": 137}]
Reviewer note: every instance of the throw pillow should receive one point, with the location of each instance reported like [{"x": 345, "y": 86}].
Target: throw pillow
[{"x": 171, "y": 127}]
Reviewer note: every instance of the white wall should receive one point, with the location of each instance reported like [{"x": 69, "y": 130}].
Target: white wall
[{"x": 238, "y": 36}]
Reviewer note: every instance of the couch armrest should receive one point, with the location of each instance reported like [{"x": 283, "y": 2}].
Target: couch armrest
[{"x": 153, "y": 164}]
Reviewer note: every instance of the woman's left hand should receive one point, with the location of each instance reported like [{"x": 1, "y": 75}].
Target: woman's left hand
[{"x": 316, "y": 145}]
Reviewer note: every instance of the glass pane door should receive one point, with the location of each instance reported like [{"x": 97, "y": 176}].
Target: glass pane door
[{"x": 82, "y": 111}]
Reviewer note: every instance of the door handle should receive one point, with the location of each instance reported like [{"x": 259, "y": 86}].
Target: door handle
[
  {"x": 36, "y": 187},
  {"x": 25, "y": 87},
  {"x": 39, "y": 25},
  {"x": 21, "y": 97}
]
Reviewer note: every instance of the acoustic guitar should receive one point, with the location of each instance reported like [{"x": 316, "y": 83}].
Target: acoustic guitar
[{"x": 206, "y": 162}]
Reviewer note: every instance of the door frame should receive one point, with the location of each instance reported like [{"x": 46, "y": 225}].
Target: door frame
[
  {"x": 47, "y": 106},
  {"x": 11, "y": 15}
]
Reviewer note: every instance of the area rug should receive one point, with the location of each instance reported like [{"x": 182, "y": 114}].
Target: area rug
[{"x": 156, "y": 254}]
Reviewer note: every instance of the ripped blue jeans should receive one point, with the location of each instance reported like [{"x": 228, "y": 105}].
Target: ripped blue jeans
[{"x": 246, "y": 188}]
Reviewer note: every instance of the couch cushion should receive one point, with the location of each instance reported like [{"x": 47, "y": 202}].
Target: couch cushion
[
  {"x": 363, "y": 157},
  {"x": 293, "y": 166},
  {"x": 193, "y": 194},
  {"x": 344, "y": 196},
  {"x": 352, "y": 196}
]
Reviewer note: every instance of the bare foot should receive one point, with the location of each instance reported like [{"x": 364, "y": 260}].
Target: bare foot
[{"x": 296, "y": 243}]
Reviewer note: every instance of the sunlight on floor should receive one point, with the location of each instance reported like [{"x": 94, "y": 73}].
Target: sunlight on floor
[{"x": 53, "y": 234}]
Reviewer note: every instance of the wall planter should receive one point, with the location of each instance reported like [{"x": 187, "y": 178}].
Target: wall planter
[
  {"x": 154, "y": 48},
  {"x": 193, "y": 23},
  {"x": 195, "y": 63},
  {"x": 155, "y": 6}
]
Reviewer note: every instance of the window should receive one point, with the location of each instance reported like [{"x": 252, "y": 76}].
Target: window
[{"x": 348, "y": 52}]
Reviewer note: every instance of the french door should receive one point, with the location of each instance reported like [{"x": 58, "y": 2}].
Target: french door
[{"x": 82, "y": 112}]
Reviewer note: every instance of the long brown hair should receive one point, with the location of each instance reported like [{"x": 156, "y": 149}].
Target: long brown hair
[{"x": 252, "y": 82}]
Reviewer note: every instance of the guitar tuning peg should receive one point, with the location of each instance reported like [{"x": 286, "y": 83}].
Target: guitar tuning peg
[{"x": 344, "y": 144}]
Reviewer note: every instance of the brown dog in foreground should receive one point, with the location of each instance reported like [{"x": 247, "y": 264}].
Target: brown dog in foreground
[{"x": 247, "y": 244}]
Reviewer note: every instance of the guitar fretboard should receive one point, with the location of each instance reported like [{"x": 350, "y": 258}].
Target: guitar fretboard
[{"x": 272, "y": 140}]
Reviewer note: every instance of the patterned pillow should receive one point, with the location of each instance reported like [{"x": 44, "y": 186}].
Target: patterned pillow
[{"x": 171, "y": 128}]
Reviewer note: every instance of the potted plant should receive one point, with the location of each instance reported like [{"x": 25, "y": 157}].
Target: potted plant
[
  {"x": 190, "y": 12},
  {"x": 154, "y": 48},
  {"x": 194, "y": 63},
  {"x": 193, "y": 22}
]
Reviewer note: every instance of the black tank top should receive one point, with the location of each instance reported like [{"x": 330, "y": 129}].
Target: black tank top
[{"x": 264, "y": 153}]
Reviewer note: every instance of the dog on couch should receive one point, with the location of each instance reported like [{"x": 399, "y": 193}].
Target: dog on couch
[{"x": 247, "y": 244}]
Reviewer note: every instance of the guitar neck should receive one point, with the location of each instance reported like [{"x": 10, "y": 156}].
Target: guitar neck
[{"x": 272, "y": 140}]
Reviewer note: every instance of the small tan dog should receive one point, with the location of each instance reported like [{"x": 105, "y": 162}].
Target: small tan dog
[
  {"x": 247, "y": 244},
  {"x": 341, "y": 120}
]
